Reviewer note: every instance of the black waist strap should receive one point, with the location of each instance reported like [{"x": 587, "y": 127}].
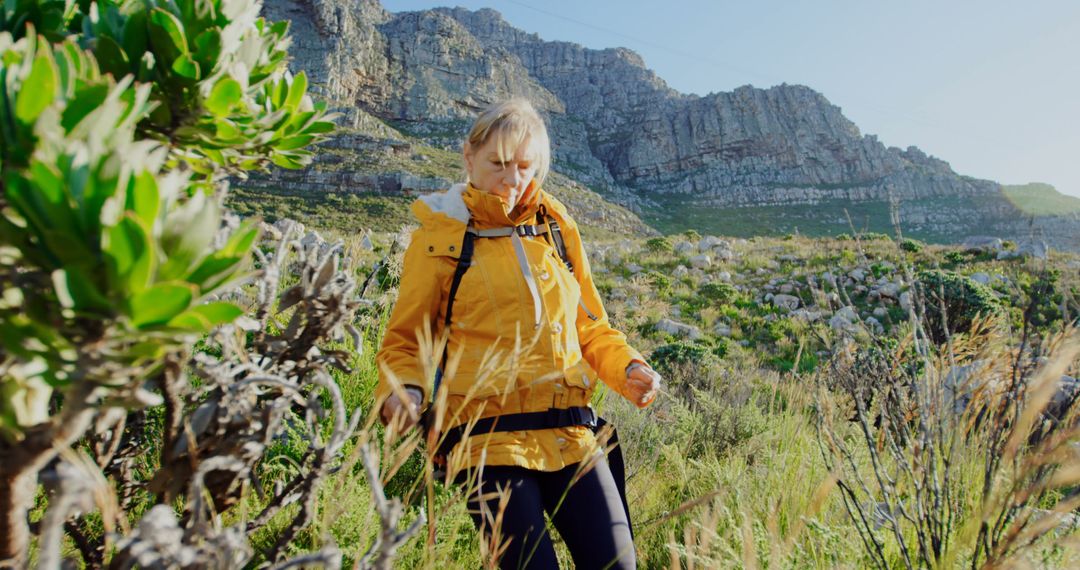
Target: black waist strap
[{"x": 552, "y": 418}]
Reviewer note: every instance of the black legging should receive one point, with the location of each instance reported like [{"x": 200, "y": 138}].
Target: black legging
[{"x": 590, "y": 517}]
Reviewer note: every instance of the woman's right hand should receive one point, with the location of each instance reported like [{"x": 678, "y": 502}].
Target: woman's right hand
[{"x": 410, "y": 412}]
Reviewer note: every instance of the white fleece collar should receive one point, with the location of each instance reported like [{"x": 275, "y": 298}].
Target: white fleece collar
[{"x": 449, "y": 203}]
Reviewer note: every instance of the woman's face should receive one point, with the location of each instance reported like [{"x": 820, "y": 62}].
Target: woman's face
[{"x": 507, "y": 180}]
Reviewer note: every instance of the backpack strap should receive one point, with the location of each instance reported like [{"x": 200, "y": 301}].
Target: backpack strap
[
  {"x": 555, "y": 237},
  {"x": 463, "y": 264}
]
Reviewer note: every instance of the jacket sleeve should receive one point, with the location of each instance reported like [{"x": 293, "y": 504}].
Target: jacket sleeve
[
  {"x": 603, "y": 347},
  {"x": 419, "y": 299}
]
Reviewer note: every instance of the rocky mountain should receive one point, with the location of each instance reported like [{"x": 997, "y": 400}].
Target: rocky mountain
[{"x": 749, "y": 161}]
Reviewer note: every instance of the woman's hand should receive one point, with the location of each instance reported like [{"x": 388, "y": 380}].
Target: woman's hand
[
  {"x": 642, "y": 384},
  {"x": 394, "y": 407}
]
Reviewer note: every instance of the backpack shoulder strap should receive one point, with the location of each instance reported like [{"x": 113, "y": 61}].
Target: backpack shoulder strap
[
  {"x": 463, "y": 264},
  {"x": 555, "y": 232}
]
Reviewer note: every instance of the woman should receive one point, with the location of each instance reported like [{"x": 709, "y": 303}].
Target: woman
[{"x": 499, "y": 263}]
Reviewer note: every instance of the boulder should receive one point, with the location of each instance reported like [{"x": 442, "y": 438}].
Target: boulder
[
  {"x": 709, "y": 242},
  {"x": 787, "y": 302},
  {"x": 723, "y": 254},
  {"x": 807, "y": 315},
  {"x": 848, "y": 313},
  {"x": 889, "y": 290},
  {"x": 285, "y": 224},
  {"x": 270, "y": 232},
  {"x": 685, "y": 248},
  {"x": 701, "y": 261},
  {"x": 979, "y": 244},
  {"x": 1035, "y": 248},
  {"x": 906, "y": 301},
  {"x": 874, "y": 325},
  {"x": 678, "y": 329}
]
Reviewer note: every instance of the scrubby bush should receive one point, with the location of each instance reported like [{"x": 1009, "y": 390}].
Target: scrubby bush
[
  {"x": 684, "y": 363},
  {"x": 874, "y": 236},
  {"x": 961, "y": 298},
  {"x": 911, "y": 246},
  {"x": 659, "y": 245},
  {"x": 119, "y": 125},
  {"x": 661, "y": 282},
  {"x": 718, "y": 292},
  {"x": 955, "y": 257}
]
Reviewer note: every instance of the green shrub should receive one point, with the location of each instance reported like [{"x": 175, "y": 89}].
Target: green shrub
[
  {"x": 962, "y": 298},
  {"x": 719, "y": 292},
  {"x": 661, "y": 282},
  {"x": 691, "y": 235},
  {"x": 1044, "y": 299},
  {"x": 668, "y": 357},
  {"x": 911, "y": 246},
  {"x": 955, "y": 257},
  {"x": 874, "y": 236},
  {"x": 659, "y": 245}
]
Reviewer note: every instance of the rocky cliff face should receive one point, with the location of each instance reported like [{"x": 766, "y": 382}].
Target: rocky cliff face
[{"x": 618, "y": 128}]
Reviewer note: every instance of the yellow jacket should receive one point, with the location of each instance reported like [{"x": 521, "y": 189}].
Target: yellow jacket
[{"x": 503, "y": 359}]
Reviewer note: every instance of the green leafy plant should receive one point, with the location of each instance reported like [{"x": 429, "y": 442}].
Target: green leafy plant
[
  {"x": 659, "y": 245},
  {"x": 911, "y": 246},
  {"x": 953, "y": 302},
  {"x": 119, "y": 122}
]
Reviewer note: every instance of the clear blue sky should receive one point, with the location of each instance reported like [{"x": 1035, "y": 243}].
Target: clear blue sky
[{"x": 991, "y": 86}]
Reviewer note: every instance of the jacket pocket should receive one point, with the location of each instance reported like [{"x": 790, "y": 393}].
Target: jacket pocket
[{"x": 581, "y": 375}]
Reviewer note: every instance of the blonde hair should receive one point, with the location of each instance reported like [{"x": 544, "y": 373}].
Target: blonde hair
[{"x": 512, "y": 122}]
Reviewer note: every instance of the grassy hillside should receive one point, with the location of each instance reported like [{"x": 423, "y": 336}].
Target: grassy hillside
[
  {"x": 731, "y": 467},
  {"x": 1041, "y": 199}
]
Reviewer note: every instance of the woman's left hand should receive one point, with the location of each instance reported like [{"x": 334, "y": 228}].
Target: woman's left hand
[{"x": 642, "y": 384}]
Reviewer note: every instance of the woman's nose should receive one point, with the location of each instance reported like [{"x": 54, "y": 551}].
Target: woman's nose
[{"x": 512, "y": 176}]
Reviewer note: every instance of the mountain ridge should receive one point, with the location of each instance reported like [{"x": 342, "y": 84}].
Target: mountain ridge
[{"x": 620, "y": 130}]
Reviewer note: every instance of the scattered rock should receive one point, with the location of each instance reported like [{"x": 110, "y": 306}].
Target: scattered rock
[
  {"x": 889, "y": 290},
  {"x": 723, "y": 254},
  {"x": 284, "y": 225},
  {"x": 1035, "y": 248},
  {"x": 807, "y": 315},
  {"x": 680, "y": 272},
  {"x": 701, "y": 261},
  {"x": 979, "y": 244},
  {"x": 905, "y": 301},
  {"x": 788, "y": 302},
  {"x": 678, "y": 329},
  {"x": 685, "y": 248},
  {"x": 270, "y": 232},
  {"x": 874, "y": 325},
  {"x": 709, "y": 242}
]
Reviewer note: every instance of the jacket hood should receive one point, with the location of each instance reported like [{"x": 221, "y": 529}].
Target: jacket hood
[{"x": 454, "y": 209}]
